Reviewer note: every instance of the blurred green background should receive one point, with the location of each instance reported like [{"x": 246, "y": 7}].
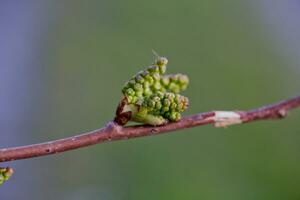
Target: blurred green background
[{"x": 86, "y": 50}]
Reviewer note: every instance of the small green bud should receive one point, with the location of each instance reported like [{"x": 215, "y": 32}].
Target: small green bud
[
  {"x": 134, "y": 99},
  {"x": 147, "y": 92},
  {"x": 162, "y": 69},
  {"x": 156, "y": 98},
  {"x": 175, "y": 116},
  {"x": 173, "y": 106},
  {"x": 167, "y": 102},
  {"x": 130, "y": 92},
  {"x": 174, "y": 87},
  {"x": 165, "y": 109},
  {"x": 150, "y": 79},
  {"x": 139, "y": 79},
  {"x": 175, "y": 83},
  {"x": 5, "y": 174},
  {"x": 158, "y": 105},
  {"x": 146, "y": 84},
  {"x": 153, "y": 69},
  {"x": 151, "y": 104},
  {"x": 170, "y": 96},
  {"x": 139, "y": 93},
  {"x": 156, "y": 76},
  {"x": 161, "y": 61},
  {"x": 183, "y": 79},
  {"x": 157, "y": 86},
  {"x": 160, "y": 94},
  {"x": 138, "y": 87},
  {"x": 178, "y": 98},
  {"x": 165, "y": 80},
  {"x": 1, "y": 179}
]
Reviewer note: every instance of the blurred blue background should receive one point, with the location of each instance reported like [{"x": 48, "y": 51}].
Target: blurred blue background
[{"x": 63, "y": 63}]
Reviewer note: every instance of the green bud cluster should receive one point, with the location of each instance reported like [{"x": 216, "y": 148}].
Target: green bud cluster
[
  {"x": 174, "y": 82},
  {"x": 168, "y": 105},
  {"x": 153, "y": 98},
  {"x": 5, "y": 174},
  {"x": 146, "y": 82}
]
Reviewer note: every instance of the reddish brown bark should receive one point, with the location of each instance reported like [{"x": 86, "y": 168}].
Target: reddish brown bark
[{"x": 112, "y": 131}]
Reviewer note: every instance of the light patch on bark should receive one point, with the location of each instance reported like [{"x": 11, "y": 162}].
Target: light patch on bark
[{"x": 226, "y": 118}]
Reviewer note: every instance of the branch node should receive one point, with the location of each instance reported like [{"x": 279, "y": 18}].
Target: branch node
[
  {"x": 226, "y": 118},
  {"x": 282, "y": 113},
  {"x": 114, "y": 127}
]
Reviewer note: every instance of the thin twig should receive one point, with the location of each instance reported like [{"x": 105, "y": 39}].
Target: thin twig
[{"x": 112, "y": 131}]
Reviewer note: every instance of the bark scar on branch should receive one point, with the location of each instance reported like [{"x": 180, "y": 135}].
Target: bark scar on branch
[{"x": 112, "y": 131}]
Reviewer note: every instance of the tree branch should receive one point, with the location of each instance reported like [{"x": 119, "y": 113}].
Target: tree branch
[{"x": 112, "y": 131}]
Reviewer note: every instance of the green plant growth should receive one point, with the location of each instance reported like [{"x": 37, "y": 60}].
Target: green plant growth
[
  {"x": 153, "y": 98},
  {"x": 5, "y": 174}
]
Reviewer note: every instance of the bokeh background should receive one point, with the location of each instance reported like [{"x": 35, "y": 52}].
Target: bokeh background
[{"x": 62, "y": 64}]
